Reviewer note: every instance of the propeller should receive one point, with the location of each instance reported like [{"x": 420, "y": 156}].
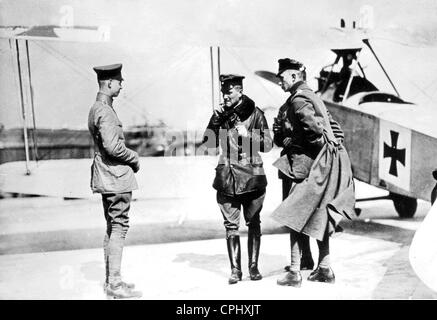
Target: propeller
[{"x": 268, "y": 75}]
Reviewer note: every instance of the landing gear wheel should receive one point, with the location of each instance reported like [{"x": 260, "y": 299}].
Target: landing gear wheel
[{"x": 405, "y": 206}]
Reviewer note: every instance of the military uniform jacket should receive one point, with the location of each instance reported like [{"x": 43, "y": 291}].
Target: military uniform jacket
[
  {"x": 111, "y": 171},
  {"x": 300, "y": 110},
  {"x": 240, "y": 168},
  {"x": 278, "y": 137}
]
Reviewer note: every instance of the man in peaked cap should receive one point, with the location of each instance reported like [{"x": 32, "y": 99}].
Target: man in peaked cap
[
  {"x": 282, "y": 136},
  {"x": 109, "y": 72},
  {"x": 112, "y": 175},
  {"x": 241, "y": 131},
  {"x": 322, "y": 190}
]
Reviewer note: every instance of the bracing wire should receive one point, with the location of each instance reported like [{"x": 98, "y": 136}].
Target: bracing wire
[
  {"x": 86, "y": 75},
  {"x": 240, "y": 60}
]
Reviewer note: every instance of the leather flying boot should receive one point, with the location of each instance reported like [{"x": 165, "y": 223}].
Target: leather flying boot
[
  {"x": 234, "y": 252},
  {"x": 322, "y": 275},
  {"x": 253, "y": 245},
  {"x": 121, "y": 292},
  {"x": 291, "y": 278}
]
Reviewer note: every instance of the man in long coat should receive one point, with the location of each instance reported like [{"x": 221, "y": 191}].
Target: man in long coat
[
  {"x": 112, "y": 175},
  {"x": 282, "y": 138},
  {"x": 242, "y": 132},
  {"x": 317, "y": 162}
]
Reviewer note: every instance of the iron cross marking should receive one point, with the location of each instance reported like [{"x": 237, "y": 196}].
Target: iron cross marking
[{"x": 394, "y": 153}]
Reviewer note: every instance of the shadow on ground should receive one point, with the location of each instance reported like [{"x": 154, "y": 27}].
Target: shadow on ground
[{"x": 168, "y": 233}]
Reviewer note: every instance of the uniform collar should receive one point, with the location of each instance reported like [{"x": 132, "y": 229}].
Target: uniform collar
[
  {"x": 298, "y": 85},
  {"x": 245, "y": 108},
  {"x": 103, "y": 97}
]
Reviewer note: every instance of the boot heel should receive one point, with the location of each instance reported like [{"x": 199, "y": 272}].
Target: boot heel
[
  {"x": 235, "y": 277},
  {"x": 254, "y": 273}
]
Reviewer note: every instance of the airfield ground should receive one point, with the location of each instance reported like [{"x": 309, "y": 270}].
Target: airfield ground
[{"x": 50, "y": 248}]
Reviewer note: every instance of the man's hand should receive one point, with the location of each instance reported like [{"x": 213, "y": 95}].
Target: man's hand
[
  {"x": 288, "y": 125},
  {"x": 216, "y": 121},
  {"x": 276, "y": 127},
  {"x": 241, "y": 129},
  {"x": 136, "y": 163},
  {"x": 136, "y": 167}
]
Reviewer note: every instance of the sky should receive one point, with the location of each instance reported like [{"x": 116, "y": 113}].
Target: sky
[{"x": 164, "y": 48}]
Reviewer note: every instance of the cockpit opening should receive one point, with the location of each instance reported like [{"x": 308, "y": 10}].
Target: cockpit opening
[{"x": 333, "y": 80}]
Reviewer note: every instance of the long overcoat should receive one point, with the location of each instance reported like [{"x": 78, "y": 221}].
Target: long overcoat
[{"x": 325, "y": 191}]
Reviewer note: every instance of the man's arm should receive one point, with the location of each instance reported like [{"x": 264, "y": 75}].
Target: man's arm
[
  {"x": 336, "y": 128},
  {"x": 311, "y": 124},
  {"x": 112, "y": 144},
  {"x": 278, "y": 136},
  {"x": 261, "y": 136},
  {"x": 211, "y": 134}
]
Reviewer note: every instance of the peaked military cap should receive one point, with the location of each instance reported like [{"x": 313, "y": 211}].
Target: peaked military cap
[
  {"x": 112, "y": 71},
  {"x": 228, "y": 81},
  {"x": 289, "y": 64}
]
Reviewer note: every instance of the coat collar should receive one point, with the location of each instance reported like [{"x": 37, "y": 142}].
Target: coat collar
[
  {"x": 300, "y": 85},
  {"x": 245, "y": 108},
  {"x": 103, "y": 97}
]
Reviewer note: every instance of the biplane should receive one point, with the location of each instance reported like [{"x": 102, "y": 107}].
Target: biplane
[{"x": 392, "y": 143}]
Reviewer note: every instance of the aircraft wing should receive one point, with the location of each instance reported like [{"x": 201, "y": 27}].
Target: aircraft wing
[
  {"x": 57, "y": 33},
  {"x": 158, "y": 178}
]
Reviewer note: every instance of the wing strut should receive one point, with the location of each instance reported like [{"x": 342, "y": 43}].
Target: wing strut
[
  {"x": 348, "y": 87},
  {"x": 219, "y": 72},
  {"x": 34, "y": 132},
  {"x": 212, "y": 78},
  {"x": 23, "y": 109},
  {"x": 325, "y": 85},
  {"x": 366, "y": 41},
  {"x": 214, "y": 73}
]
